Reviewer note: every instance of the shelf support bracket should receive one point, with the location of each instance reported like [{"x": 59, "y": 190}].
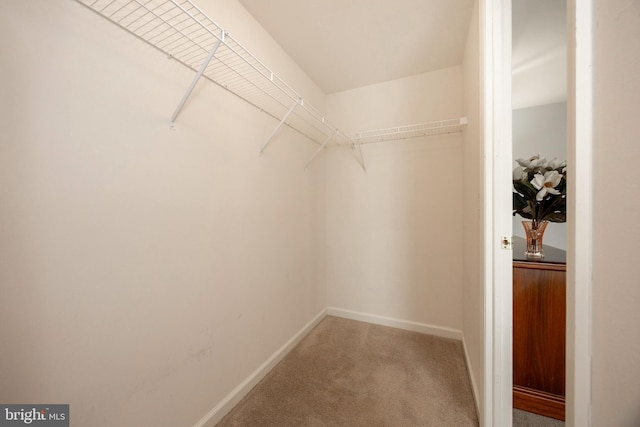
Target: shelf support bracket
[
  {"x": 364, "y": 167},
  {"x": 203, "y": 67},
  {"x": 326, "y": 141},
  {"x": 286, "y": 116}
]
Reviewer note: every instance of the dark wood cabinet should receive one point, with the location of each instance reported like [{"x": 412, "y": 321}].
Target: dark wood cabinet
[{"x": 539, "y": 328}]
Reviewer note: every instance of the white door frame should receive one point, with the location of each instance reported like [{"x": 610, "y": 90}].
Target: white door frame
[
  {"x": 579, "y": 227},
  {"x": 496, "y": 81},
  {"x": 496, "y": 111}
]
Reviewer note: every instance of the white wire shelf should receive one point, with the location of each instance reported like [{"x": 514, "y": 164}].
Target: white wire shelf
[
  {"x": 185, "y": 33},
  {"x": 411, "y": 131}
]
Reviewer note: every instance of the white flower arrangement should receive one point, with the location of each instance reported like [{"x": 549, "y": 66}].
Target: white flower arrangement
[{"x": 539, "y": 190}]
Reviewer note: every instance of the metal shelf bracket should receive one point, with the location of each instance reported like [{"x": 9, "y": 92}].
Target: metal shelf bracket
[
  {"x": 186, "y": 34},
  {"x": 286, "y": 116},
  {"x": 203, "y": 67},
  {"x": 364, "y": 166},
  {"x": 319, "y": 149}
]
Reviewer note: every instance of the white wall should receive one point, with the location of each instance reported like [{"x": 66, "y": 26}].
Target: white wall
[
  {"x": 541, "y": 130},
  {"x": 394, "y": 233},
  {"x": 144, "y": 272},
  {"x": 616, "y": 201},
  {"x": 472, "y": 190},
  {"x": 539, "y": 52}
]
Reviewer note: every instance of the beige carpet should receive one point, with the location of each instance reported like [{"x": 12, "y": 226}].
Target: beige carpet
[
  {"x": 527, "y": 419},
  {"x": 349, "y": 373}
]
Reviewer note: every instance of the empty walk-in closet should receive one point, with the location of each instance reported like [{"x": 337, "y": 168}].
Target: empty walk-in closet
[
  {"x": 166, "y": 247},
  {"x": 193, "y": 185},
  {"x": 193, "y": 191}
]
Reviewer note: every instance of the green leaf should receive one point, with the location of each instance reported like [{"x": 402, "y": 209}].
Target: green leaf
[
  {"x": 554, "y": 209},
  {"x": 526, "y": 189},
  {"x": 521, "y": 206},
  {"x": 557, "y": 217}
]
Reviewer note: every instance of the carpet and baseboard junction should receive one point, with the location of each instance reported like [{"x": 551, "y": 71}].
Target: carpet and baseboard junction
[
  {"x": 352, "y": 373},
  {"x": 346, "y": 372}
]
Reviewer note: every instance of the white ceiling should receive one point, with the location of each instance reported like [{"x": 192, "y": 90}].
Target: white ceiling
[{"x": 344, "y": 44}]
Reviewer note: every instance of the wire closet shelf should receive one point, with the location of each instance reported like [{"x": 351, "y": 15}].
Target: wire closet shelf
[
  {"x": 411, "y": 131},
  {"x": 185, "y": 33}
]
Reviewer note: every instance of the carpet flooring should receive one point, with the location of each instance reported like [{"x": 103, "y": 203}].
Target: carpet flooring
[
  {"x": 527, "y": 419},
  {"x": 351, "y": 373}
]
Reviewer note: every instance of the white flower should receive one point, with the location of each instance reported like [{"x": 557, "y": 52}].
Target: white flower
[
  {"x": 546, "y": 184},
  {"x": 555, "y": 164},
  {"x": 519, "y": 174},
  {"x": 532, "y": 162}
]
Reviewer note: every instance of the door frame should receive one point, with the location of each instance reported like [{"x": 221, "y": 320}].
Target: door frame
[
  {"x": 496, "y": 83},
  {"x": 497, "y": 262},
  {"x": 579, "y": 227}
]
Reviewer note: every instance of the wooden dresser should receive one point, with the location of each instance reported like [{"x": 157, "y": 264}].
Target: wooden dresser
[{"x": 539, "y": 327}]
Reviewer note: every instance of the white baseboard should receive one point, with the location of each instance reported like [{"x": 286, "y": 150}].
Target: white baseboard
[
  {"x": 415, "y": 327},
  {"x": 221, "y": 409},
  {"x": 474, "y": 385},
  {"x": 397, "y": 323}
]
